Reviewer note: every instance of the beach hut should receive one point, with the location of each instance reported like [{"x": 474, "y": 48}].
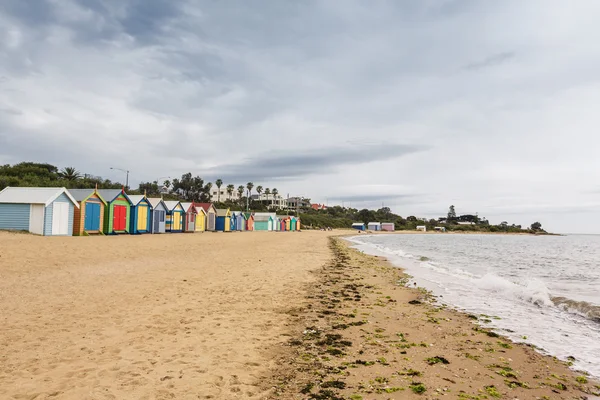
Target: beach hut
[
  {"x": 359, "y": 226},
  {"x": 175, "y": 215},
  {"x": 211, "y": 215},
  {"x": 281, "y": 222},
  {"x": 116, "y": 212},
  {"x": 200, "y": 219},
  {"x": 249, "y": 217},
  {"x": 293, "y": 221},
  {"x": 388, "y": 226},
  {"x": 43, "y": 211},
  {"x": 240, "y": 223},
  {"x": 159, "y": 215},
  {"x": 422, "y": 228},
  {"x": 233, "y": 221},
  {"x": 374, "y": 226},
  {"x": 298, "y": 224},
  {"x": 223, "y": 223},
  {"x": 189, "y": 220},
  {"x": 140, "y": 220},
  {"x": 263, "y": 222},
  {"x": 88, "y": 218}
]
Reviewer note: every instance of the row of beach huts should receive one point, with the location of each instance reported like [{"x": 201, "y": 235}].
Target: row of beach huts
[
  {"x": 374, "y": 226},
  {"x": 81, "y": 212}
]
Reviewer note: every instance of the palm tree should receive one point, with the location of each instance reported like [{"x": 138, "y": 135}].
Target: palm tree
[
  {"x": 267, "y": 193},
  {"x": 259, "y": 190},
  {"x": 240, "y": 191},
  {"x": 230, "y": 189},
  {"x": 249, "y": 186},
  {"x": 219, "y": 183},
  {"x": 69, "y": 173},
  {"x": 275, "y": 192}
]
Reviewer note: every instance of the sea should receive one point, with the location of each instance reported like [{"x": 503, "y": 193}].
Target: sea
[{"x": 541, "y": 290}]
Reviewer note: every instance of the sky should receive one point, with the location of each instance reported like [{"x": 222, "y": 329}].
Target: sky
[{"x": 491, "y": 106}]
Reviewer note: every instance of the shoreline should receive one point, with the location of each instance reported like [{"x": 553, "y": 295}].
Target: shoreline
[{"x": 361, "y": 334}]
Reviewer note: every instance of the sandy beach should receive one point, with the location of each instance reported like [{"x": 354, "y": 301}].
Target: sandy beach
[
  {"x": 187, "y": 316},
  {"x": 242, "y": 315}
]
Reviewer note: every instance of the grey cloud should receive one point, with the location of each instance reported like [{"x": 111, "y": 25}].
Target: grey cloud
[
  {"x": 370, "y": 198},
  {"x": 491, "y": 61},
  {"x": 289, "y": 163}
]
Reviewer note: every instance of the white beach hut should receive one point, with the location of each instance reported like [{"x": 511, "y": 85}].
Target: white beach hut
[
  {"x": 374, "y": 226},
  {"x": 43, "y": 211}
]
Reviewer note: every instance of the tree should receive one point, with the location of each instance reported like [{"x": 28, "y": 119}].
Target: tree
[
  {"x": 167, "y": 184},
  {"x": 218, "y": 184},
  {"x": 150, "y": 188},
  {"x": 451, "y": 214},
  {"x": 189, "y": 188},
  {"x": 268, "y": 194},
  {"x": 536, "y": 226},
  {"x": 69, "y": 173},
  {"x": 411, "y": 218},
  {"x": 240, "y": 191},
  {"x": 249, "y": 186},
  {"x": 230, "y": 189},
  {"x": 259, "y": 190},
  {"x": 275, "y": 192}
]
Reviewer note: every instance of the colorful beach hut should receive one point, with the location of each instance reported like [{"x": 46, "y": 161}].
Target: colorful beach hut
[
  {"x": 293, "y": 224},
  {"x": 159, "y": 215},
  {"x": 211, "y": 215},
  {"x": 191, "y": 213},
  {"x": 200, "y": 219},
  {"x": 263, "y": 222},
  {"x": 359, "y": 226},
  {"x": 388, "y": 226},
  {"x": 238, "y": 221},
  {"x": 140, "y": 217},
  {"x": 374, "y": 226},
  {"x": 43, "y": 211},
  {"x": 223, "y": 220},
  {"x": 116, "y": 212},
  {"x": 249, "y": 217},
  {"x": 88, "y": 218},
  {"x": 175, "y": 215}
]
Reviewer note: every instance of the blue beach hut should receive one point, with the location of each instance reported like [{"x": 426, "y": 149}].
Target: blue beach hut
[{"x": 140, "y": 215}]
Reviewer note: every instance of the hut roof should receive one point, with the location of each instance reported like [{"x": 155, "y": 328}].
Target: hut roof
[
  {"x": 111, "y": 194},
  {"x": 188, "y": 205},
  {"x": 204, "y": 206},
  {"x": 136, "y": 198},
  {"x": 223, "y": 212},
  {"x": 262, "y": 217},
  {"x": 171, "y": 204},
  {"x": 247, "y": 215},
  {"x": 33, "y": 195},
  {"x": 155, "y": 201},
  {"x": 358, "y": 223}
]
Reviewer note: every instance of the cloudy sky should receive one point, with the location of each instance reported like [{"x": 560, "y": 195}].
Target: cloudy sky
[{"x": 488, "y": 105}]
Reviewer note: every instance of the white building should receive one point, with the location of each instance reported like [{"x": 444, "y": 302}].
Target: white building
[
  {"x": 271, "y": 200},
  {"x": 224, "y": 196}
]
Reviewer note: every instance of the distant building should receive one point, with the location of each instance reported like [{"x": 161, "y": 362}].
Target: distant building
[
  {"x": 422, "y": 228},
  {"x": 271, "y": 200},
  {"x": 294, "y": 203},
  {"x": 224, "y": 196},
  {"x": 318, "y": 206},
  {"x": 465, "y": 223}
]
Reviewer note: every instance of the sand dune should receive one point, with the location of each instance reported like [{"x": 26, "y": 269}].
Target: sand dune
[{"x": 186, "y": 316}]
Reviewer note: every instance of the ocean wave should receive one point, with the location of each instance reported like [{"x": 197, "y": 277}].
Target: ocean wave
[
  {"x": 535, "y": 291},
  {"x": 583, "y": 308}
]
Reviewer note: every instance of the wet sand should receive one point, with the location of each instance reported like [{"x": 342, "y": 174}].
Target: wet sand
[{"x": 363, "y": 335}]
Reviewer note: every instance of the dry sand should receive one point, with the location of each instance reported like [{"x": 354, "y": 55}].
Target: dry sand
[{"x": 184, "y": 316}]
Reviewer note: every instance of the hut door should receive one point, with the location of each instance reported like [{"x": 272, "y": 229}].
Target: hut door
[
  {"x": 156, "y": 220},
  {"x": 120, "y": 218},
  {"x": 142, "y": 222},
  {"x": 60, "y": 218},
  {"x": 92, "y": 217}
]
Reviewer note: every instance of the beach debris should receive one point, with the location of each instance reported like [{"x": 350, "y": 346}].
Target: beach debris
[{"x": 436, "y": 360}]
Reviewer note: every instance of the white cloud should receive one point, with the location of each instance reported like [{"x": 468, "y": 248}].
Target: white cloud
[{"x": 501, "y": 97}]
